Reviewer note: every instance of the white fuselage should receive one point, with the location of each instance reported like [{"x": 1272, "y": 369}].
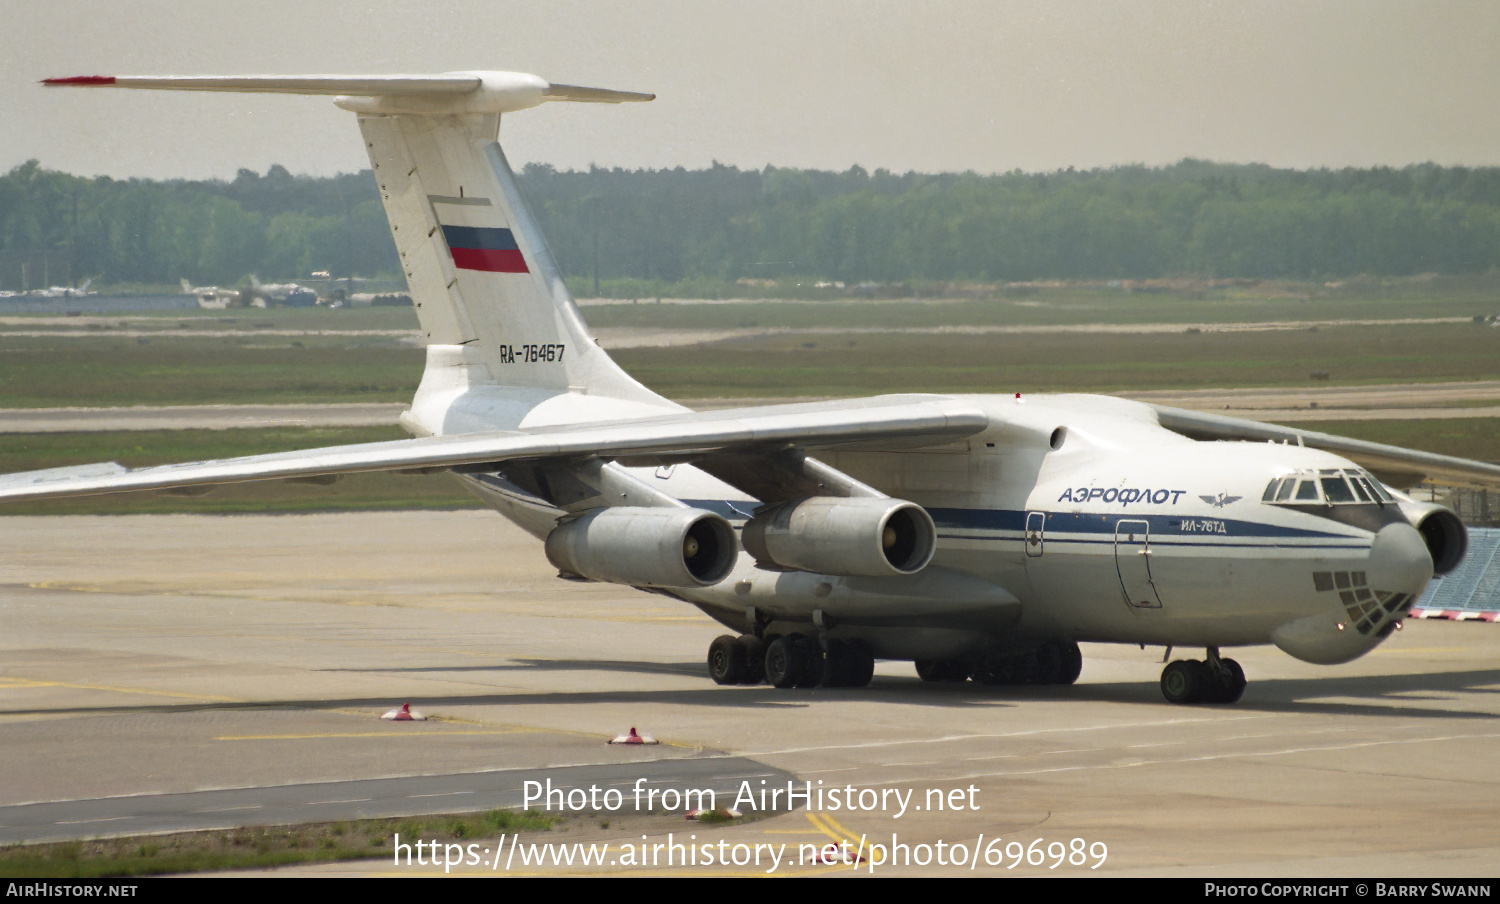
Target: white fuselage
[{"x": 1102, "y": 524}]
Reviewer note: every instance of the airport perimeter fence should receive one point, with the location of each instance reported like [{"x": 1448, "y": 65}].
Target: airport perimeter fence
[{"x": 1472, "y": 590}]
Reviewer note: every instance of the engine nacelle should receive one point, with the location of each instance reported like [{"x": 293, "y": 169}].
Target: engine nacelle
[
  {"x": 843, "y": 536},
  {"x": 1446, "y": 537},
  {"x": 645, "y": 547}
]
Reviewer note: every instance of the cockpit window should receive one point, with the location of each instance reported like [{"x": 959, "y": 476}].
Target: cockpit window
[
  {"x": 1328, "y": 486},
  {"x": 1358, "y": 483},
  {"x": 1336, "y": 490}
]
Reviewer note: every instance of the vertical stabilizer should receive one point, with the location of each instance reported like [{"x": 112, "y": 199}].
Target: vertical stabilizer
[
  {"x": 489, "y": 295},
  {"x": 479, "y": 269}
]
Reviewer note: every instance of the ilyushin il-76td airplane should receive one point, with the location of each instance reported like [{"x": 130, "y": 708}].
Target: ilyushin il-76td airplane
[{"x": 980, "y": 536}]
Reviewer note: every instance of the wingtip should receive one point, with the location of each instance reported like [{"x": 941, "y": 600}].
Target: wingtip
[{"x": 81, "y": 80}]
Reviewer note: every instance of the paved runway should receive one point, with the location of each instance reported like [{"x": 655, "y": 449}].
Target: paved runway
[{"x": 165, "y": 655}]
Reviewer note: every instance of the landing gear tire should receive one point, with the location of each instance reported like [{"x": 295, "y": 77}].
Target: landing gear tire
[
  {"x": 782, "y": 662},
  {"x": 998, "y": 670},
  {"x": 948, "y": 670},
  {"x": 1072, "y": 662},
  {"x": 755, "y": 658},
  {"x": 847, "y": 664},
  {"x": 862, "y": 664},
  {"x": 726, "y": 660},
  {"x": 1233, "y": 682},
  {"x": 1182, "y": 681},
  {"x": 810, "y": 665},
  {"x": 1047, "y": 665}
]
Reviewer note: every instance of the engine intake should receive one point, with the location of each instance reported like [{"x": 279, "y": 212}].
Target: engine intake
[
  {"x": 1446, "y": 537},
  {"x": 645, "y": 547},
  {"x": 843, "y": 536}
]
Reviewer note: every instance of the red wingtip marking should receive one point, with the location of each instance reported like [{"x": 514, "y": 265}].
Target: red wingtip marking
[{"x": 81, "y": 80}]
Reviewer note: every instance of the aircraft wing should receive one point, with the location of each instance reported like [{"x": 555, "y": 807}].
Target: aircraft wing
[
  {"x": 919, "y": 420},
  {"x": 1398, "y": 467}
]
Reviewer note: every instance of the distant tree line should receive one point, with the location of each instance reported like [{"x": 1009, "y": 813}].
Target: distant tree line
[
  {"x": 1191, "y": 218},
  {"x": 144, "y": 231}
]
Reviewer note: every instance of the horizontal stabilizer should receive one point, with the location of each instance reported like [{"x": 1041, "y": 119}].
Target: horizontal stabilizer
[
  {"x": 448, "y": 92},
  {"x": 361, "y": 85},
  {"x": 596, "y": 95}
]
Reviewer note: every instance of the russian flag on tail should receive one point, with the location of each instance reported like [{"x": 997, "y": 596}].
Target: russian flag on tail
[{"x": 488, "y": 248}]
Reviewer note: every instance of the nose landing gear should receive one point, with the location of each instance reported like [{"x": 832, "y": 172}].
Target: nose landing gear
[{"x": 1213, "y": 680}]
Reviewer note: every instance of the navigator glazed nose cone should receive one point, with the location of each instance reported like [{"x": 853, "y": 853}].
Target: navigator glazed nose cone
[{"x": 1363, "y": 605}]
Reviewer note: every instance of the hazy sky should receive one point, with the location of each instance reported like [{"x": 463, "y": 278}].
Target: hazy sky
[{"x": 987, "y": 86}]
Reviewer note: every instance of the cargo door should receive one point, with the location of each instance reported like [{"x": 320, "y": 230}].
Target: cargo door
[
  {"x": 1133, "y": 564},
  {"x": 1035, "y": 522}
]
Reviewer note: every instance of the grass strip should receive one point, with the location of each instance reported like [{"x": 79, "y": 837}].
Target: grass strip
[
  {"x": 253, "y": 848},
  {"x": 1477, "y": 438},
  {"x": 855, "y": 364}
]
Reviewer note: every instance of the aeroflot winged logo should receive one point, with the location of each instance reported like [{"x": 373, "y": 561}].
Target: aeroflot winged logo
[
  {"x": 489, "y": 248},
  {"x": 1220, "y": 500}
]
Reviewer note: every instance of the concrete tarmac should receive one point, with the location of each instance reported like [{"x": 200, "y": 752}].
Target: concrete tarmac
[
  {"x": 371, "y": 798},
  {"x": 164, "y": 655}
]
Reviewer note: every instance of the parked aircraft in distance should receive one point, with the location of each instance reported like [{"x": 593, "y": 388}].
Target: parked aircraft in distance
[
  {"x": 214, "y": 297},
  {"x": 288, "y": 295},
  {"x": 259, "y": 295},
  {"x": 63, "y": 291},
  {"x": 981, "y": 536}
]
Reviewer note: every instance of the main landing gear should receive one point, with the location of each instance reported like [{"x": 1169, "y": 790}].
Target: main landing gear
[
  {"x": 1054, "y": 662},
  {"x": 794, "y": 660},
  {"x": 1213, "y": 680}
]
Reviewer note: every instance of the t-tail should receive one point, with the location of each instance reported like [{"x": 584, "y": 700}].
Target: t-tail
[{"x": 488, "y": 292}]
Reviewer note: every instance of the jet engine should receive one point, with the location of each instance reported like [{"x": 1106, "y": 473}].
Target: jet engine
[
  {"x": 645, "y": 547},
  {"x": 843, "y": 536},
  {"x": 1446, "y": 538}
]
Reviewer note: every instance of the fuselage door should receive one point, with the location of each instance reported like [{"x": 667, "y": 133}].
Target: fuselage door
[
  {"x": 1035, "y": 521},
  {"x": 1133, "y": 564}
]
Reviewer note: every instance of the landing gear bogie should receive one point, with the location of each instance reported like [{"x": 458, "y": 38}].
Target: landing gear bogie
[
  {"x": 1213, "y": 680},
  {"x": 1055, "y": 662},
  {"x": 793, "y": 660}
]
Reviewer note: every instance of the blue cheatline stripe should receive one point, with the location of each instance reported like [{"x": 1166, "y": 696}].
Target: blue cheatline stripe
[
  {"x": 1078, "y": 523},
  {"x": 486, "y": 238},
  {"x": 1109, "y": 543},
  {"x": 1062, "y": 527}
]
